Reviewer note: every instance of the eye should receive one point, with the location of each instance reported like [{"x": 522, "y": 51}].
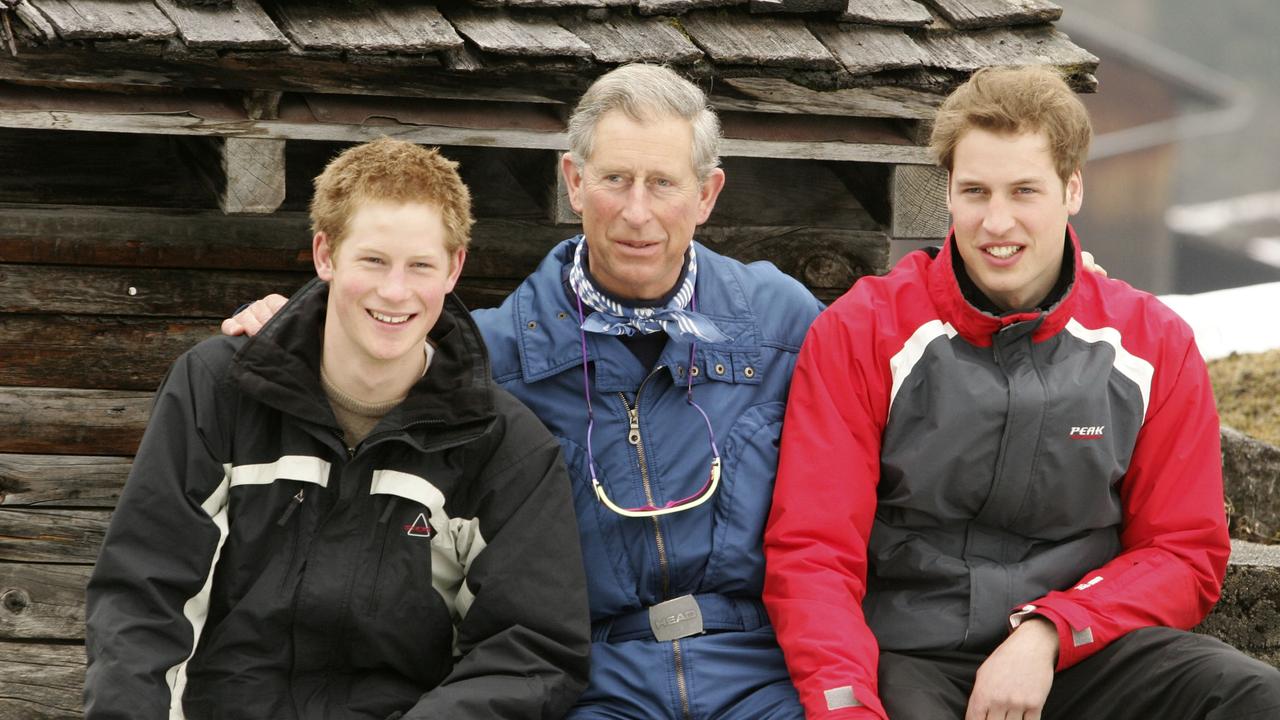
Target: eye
[
  {"x": 371, "y": 260},
  {"x": 973, "y": 191}
]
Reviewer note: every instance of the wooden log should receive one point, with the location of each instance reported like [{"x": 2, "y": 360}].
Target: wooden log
[
  {"x": 42, "y": 602},
  {"x": 763, "y": 94},
  {"x": 112, "y": 236},
  {"x": 135, "y": 291},
  {"x": 62, "y": 480},
  {"x": 109, "y": 353},
  {"x": 52, "y": 536},
  {"x": 246, "y": 175},
  {"x": 918, "y": 197},
  {"x": 78, "y": 422},
  {"x": 41, "y": 681},
  {"x": 826, "y": 260}
]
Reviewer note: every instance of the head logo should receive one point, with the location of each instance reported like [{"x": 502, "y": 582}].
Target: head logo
[{"x": 1088, "y": 432}]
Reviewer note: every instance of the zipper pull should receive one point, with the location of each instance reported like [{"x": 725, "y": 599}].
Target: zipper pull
[
  {"x": 633, "y": 435},
  {"x": 290, "y": 509}
]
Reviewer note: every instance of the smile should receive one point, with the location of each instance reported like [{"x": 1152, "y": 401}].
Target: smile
[
  {"x": 1003, "y": 252},
  {"x": 392, "y": 319}
]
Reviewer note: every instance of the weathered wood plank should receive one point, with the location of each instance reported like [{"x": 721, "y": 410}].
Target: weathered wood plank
[
  {"x": 109, "y": 353},
  {"x": 246, "y": 175},
  {"x": 905, "y": 13},
  {"x": 587, "y": 4},
  {"x": 738, "y": 39},
  {"x": 105, "y": 19},
  {"x": 521, "y": 34},
  {"x": 797, "y": 6},
  {"x": 62, "y": 480},
  {"x": 918, "y": 197},
  {"x": 36, "y": 23},
  {"x": 41, "y": 681},
  {"x": 52, "y": 536},
  {"x": 42, "y": 602},
  {"x": 134, "y": 291},
  {"x": 365, "y": 26},
  {"x": 680, "y": 7},
  {"x": 968, "y": 14},
  {"x": 779, "y": 95},
  {"x": 819, "y": 137},
  {"x": 625, "y": 38},
  {"x": 235, "y": 24},
  {"x": 1036, "y": 45},
  {"x": 106, "y": 236},
  {"x": 865, "y": 49},
  {"x": 74, "y": 422}
]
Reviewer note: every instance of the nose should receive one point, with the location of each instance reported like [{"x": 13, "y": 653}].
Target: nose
[
  {"x": 395, "y": 286},
  {"x": 998, "y": 218},
  {"x": 637, "y": 208}
]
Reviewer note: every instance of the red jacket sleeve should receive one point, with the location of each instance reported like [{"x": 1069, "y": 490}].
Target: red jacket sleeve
[
  {"x": 1174, "y": 539},
  {"x": 823, "y": 508}
]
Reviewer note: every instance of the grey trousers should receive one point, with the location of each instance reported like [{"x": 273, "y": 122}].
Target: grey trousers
[{"x": 1149, "y": 674}]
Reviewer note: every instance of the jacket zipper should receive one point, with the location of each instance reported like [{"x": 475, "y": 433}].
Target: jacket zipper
[{"x": 634, "y": 437}]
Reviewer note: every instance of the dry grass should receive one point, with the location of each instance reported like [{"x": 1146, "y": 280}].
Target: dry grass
[{"x": 1248, "y": 391}]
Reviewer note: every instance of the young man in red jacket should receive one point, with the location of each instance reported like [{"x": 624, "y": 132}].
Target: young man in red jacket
[{"x": 1000, "y": 491}]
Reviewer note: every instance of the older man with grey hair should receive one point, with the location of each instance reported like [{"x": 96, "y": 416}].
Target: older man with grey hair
[{"x": 662, "y": 368}]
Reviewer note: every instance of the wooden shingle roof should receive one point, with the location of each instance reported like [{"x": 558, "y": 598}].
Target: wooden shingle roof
[{"x": 548, "y": 49}]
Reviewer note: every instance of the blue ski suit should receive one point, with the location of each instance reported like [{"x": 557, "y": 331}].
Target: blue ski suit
[{"x": 651, "y": 447}]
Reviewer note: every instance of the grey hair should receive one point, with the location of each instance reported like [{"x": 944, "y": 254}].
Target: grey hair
[{"x": 646, "y": 92}]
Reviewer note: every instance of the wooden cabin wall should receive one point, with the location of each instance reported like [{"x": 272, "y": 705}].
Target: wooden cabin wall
[{"x": 114, "y": 259}]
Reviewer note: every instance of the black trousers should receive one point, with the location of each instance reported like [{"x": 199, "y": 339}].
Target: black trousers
[{"x": 1150, "y": 674}]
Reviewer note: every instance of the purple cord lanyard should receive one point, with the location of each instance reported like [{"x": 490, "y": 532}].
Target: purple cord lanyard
[{"x": 674, "y": 506}]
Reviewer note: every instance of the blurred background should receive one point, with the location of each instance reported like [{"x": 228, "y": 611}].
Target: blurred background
[{"x": 1182, "y": 190}]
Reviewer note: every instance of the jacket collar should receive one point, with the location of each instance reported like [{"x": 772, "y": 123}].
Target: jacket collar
[
  {"x": 281, "y": 368},
  {"x": 977, "y": 326},
  {"x": 546, "y": 324}
]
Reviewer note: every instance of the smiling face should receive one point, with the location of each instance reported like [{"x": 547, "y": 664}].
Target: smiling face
[
  {"x": 1010, "y": 210},
  {"x": 387, "y": 282},
  {"x": 640, "y": 201}
]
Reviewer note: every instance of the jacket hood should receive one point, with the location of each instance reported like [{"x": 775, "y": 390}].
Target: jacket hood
[
  {"x": 280, "y": 367},
  {"x": 977, "y": 326}
]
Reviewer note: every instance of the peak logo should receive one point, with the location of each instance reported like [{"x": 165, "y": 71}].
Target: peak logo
[{"x": 1088, "y": 432}]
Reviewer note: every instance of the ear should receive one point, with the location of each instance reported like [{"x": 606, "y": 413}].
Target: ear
[
  {"x": 1075, "y": 192},
  {"x": 458, "y": 259},
  {"x": 708, "y": 193},
  {"x": 572, "y": 181},
  {"x": 949, "y": 194},
  {"x": 322, "y": 256}
]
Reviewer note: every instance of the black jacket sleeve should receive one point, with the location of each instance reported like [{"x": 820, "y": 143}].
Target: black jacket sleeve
[
  {"x": 526, "y": 631},
  {"x": 147, "y": 598}
]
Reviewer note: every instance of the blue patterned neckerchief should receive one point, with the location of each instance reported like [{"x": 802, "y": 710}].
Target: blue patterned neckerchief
[{"x": 614, "y": 318}]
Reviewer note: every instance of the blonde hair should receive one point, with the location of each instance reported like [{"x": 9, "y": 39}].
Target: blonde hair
[
  {"x": 387, "y": 170},
  {"x": 1013, "y": 101}
]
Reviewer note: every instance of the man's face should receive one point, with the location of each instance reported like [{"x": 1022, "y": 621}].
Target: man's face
[
  {"x": 640, "y": 201},
  {"x": 387, "y": 283},
  {"x": 1010, "y": 211}
]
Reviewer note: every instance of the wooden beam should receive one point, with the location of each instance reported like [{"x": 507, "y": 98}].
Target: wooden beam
[
  {"x": 146, "y": 237},
  {"x": 42, "y": 601},
  {"x": 41, "y": 681},
  {"x": 80, "y": 422},
  {"x": 62, "y": 480},
  {"x": 146, "y": 292},
  {"x": 246, "y": 175},
  {"x": 94, "y": 352},
  {"x": 52, "y": 536}
]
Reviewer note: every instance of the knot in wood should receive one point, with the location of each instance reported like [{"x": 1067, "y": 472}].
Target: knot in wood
[
  {"x": 15, "y": 600},
  {"x": 827, "y": 270}
]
